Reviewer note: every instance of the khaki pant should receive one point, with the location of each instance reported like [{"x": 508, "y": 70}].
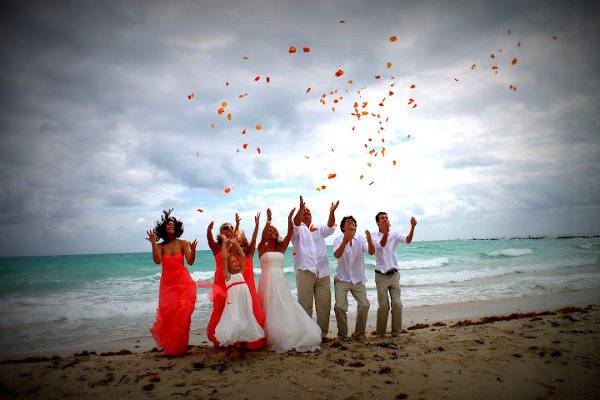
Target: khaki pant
[
  {"x": 341, "y": 307},
  {"x": 391, "y": 284},
  {"x": 310, "y": 288}
]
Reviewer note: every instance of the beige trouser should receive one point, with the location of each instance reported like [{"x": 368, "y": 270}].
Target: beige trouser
[
  {"x": 310, "y": 288},
  {"x": 341, "y": 307},
  {"x": 391, "y": 284}
]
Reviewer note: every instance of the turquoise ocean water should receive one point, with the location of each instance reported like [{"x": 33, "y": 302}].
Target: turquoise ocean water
[{"x": 79, "y": 301}]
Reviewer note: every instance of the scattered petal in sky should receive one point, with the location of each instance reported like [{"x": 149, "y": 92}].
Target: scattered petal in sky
[
  {"x": 190, "y": 96},
  {"x": 245, "y": 146},
  {"x": 256, "y": 78},
  {"x": 413, "y": 86},
  {"x": 342, "y": 21},
  {"x": 227, "y": 190},
  {"x": 244, "y": 131},
  {"x": 393, "y": 38},
  {"x": 308, "y": 90},
  {"x": 331, "y": 176},
  {"x": 258, "y": 150},
  {"x": 292, "y": 50},
  {"x": 268, "y": 79},
  {"x": 244, "y": 57},
  {"x": 229, "y": 116},
  {"x": 200, "y": 210},
  {"x": 388, "y": 65},
  {"x": 339, "y": 73},
  {"x": 306, "y": 49},
  {"x": 377, "y": 76},
  {"x": 514, "y": 61},
  {"x": 258, "y": 127},
  {"x": 473, "y": 66},
  {"x": 220, "y": 110}
]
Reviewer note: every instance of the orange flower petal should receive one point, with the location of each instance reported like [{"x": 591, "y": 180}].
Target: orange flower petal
[
  {"x": 292, "y": 50},
  {"x": 268, "y": 79},
  {"x": 258, "y": 127},
  {"x": 257, "y": 78},
  {"x": 393, "y": 38},
  {"x": 229, "y": 116},
  {"x": 514, "y": 61},
  {"x": 413, "y": 86},
  {"x": 306, "y": 49},
  {"x": 245, "y": 145},
  {"x": 323, "y": 187},
  {"x": 331, "y": 176},
  {"x": 227, "y": 190},
  {"x": 220, "y": 110},
  {"x": 388, "y": 65},
  {"x": 339, "y": 73},
  {"x": 190, "y": 96}
]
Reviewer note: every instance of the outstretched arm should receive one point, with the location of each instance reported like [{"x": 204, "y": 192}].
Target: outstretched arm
[
  {"x": 413, "y": 223},
  {"x": 189, "y": 250},
  {"x": 370, "y": 242},
  {"x": 225, "y": 257},
  {"x": 252, "y": 245},
  {"x": 331, "y": 220},
  {"x": 156, "y": 250},
  {"x": 298, "y": 216},
  {"x": 214, "y": 246},
  {"x": 286, "y": 240}
]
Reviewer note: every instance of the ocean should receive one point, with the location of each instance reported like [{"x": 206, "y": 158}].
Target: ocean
[{"x": 89, "y": 301}]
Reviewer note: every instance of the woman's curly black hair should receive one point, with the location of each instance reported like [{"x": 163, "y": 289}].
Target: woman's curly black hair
[{"x": 161, "y": 226}]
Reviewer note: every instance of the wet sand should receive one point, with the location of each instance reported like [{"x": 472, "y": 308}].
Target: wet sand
[{"x": 552, "y": 354}]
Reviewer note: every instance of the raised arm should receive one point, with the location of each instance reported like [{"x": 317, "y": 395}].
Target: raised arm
[
  {"x": 348, "y": 235},
  {"x": 156, "y": 250},
  {"x": 237, "y": 249},
  {"x": 370, "y": 242},
  {"x": 214, "y": 246},
  {"x": 298, "y": 216},
  {"x": 265, "y": 232},
  {"x": 331, "y": 220},
  {"x": 286, "y": 240},
  {"x": 189, "y": 249},
  {"x": 252, "y": 245},
  {"x": 237, "y": 223},
  {"x": 413, "y": 223},
  {"x": 225, "y": 257}
]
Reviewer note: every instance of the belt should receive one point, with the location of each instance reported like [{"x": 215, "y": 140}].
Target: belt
[{"x": 390, "y": 272}]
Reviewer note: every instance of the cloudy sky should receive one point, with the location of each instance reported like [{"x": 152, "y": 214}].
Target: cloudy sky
[{"x": 98, "y": 135}]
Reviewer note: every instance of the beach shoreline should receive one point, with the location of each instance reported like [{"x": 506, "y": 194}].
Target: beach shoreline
[
  {"x": 447, "y": 313},
  {"x": 548, "y": 354}
]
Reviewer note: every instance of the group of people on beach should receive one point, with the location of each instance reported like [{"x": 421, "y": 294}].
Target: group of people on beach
[{"x": 271, "y": 316}]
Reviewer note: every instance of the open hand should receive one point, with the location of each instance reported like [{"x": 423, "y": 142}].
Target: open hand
[
  {"x": 193, "y": 246},
  {"x": 269, "y": 215},
  {"x": 291, "y": 214},
  {"x": 334, "y": 206},
  {"x": 257, "y": 218},
  {"x": 237, "y": 219},
  {"x": 151, "y": 236},
  {"x": 413, "y": 221},
  {"x": 302, "y": 205},
  {"x": 368, "y": 234},
  {"x": 210, "y": 226}
]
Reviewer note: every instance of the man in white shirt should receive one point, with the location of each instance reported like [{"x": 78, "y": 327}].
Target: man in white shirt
[
  {"x": 311, "y": 264},
  {"x": 350, "y": 277},
  {"x": 387, "y": 273}
]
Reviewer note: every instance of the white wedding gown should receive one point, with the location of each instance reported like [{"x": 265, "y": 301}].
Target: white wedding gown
[{"x": 287, "y": 325}]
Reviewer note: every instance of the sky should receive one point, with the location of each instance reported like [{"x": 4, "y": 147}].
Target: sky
[{"x": 98, "y": 134}]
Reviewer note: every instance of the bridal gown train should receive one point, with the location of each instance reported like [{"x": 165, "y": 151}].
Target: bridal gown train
[{"x": 287, "y": 325}]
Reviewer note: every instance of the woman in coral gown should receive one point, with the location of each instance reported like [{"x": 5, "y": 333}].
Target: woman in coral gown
[
  {"x": 219, "y": 292},
  {"x": 177, "y": 293}
]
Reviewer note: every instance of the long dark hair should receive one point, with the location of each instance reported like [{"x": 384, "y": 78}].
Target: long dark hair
[{"x": 161, "y": 226}]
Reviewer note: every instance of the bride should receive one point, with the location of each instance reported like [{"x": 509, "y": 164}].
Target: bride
[{"x": 287, "y": 325}]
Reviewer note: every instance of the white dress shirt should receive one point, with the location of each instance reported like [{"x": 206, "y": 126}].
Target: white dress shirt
[
  {"x": 351, "y": 265},
  {"x": 385, "y": 257},
  {"x": 310, "y": 249}
]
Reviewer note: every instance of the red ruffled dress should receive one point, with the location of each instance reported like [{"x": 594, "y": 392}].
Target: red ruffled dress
[
  {"x": 219, "y": 296},
  {"x": 176, "y": 303}
]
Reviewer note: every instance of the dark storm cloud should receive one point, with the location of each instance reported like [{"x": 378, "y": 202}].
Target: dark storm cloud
[{"x": 95, "y": 118}]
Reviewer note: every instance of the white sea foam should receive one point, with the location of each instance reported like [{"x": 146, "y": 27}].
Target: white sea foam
[
  {"x": 585, "y": 246},
  {"x": 422, "y": 264},
  {"x": 510, "y": 253}
]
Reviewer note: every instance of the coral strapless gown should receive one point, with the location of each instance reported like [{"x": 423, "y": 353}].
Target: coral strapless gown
[
  {"x": 176, "y": 302},
  {"x": 218, "y": 297}
]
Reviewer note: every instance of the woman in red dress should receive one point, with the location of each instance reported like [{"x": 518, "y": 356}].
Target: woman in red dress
[
  {"x": 218, "y": 295},
  {"x": 177, "y": 293}
]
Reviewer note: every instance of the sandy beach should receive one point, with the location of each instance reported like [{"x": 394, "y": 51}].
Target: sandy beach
[{"x": 544, "y": 354}]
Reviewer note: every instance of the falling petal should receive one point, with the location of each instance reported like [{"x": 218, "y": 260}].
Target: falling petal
[
  {"x": 244, "y": 131},
  {"x": 323, "y": 187},
  {"x": 514, "y": 61},
  {"x": 308, "y": 90},
  {"x": 258, "y": 150},
  {"x": 229, "y": 116},
  {"x": 377, "y": 76},
  {"x": 342, "y": 21},
  {"x": 268, "y": 80},
  {"x": 220, "y": 110},
  {"x": 306, "y": 49},
  {"x": 190, "y": 96},
  {"x": 227, "y": 190},
  {"x": 339, "y": 73},
  {"x": 331, "y": 176},
  {"x": 291, "y": 50},
  {"x": 473, "y": 66},
  {"x": 258, "y": 127},
  {"x": 256, "y": 78},
  {"x": 388, "y": 65},
  {"x": 200, "y": 210},
  {"x": 413, "y": 86},
  {"x": 372, "y": 182},
  {"x": 393, "y": 38},
  {"x": 394, "y": 162},
  {"x": 245, "y": 146}
]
